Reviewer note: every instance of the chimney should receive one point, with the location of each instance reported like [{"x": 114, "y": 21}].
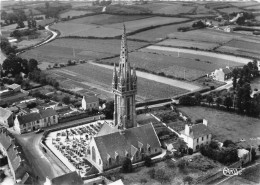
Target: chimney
[{"x": 205, "y": 122}]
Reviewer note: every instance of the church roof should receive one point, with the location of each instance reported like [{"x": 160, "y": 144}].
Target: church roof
[
  {"x": 68, "y": 179},
  {"x": 106, "y": 129},
  {"x": 124, "y": 140}
]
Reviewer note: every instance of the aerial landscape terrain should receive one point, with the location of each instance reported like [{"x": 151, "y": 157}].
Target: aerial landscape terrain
[{"x": 130, "y": 92}]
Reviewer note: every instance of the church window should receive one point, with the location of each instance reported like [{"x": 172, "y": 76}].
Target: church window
[
  {"x": 93, "y": 154},
  {"x": 99, "y": 161},
  {"x": 207, "y": 136},
  {"x": 109, "y": 161},
  {"x": 117, "y": 159},
  {"x": 149, "y": 149},
  {"x": 155, "y": 150},
  {"x": 128, "y": 108},
  {"x": 137, "y": 154},
  {"x": 202, "y": 138}
]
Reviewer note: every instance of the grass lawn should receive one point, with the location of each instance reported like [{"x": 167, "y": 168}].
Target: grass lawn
[
  {"x": 225, "y": 125},
  {"x": 252, "y": 174}
]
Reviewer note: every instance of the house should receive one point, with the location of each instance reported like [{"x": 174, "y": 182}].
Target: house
[
  {"x": 6, "y": 117},
  {"x": 244, "y": 156},
  {"x": 222, "y": 75},
  {"x": 111, "y": 146},
  {"x": 228, "y": 29},
  {"x": 90, "y": 103},
  {"x": 196, "y": 135},
  {"x": 19, "y": 167},
  {"x": 36, "y": 120},
  {"x": 71, "y": 178}
]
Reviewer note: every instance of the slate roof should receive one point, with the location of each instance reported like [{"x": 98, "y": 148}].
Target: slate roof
[
  {"x": 226, "y": 71},
  {"x": 91, "y": 99},
  {"x": 47, "y": 113},
  {"x": 106, "y": 129},
  {"x": 5, "y": 113},
  {"x": 68, "y": 179},
  {"x": 200, "y": 130},
  {"x": 123, "y": 141}
]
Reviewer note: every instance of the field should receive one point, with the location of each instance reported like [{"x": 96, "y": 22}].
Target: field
[
  {"x": 244, "y": 4},
  {"x": 242, "y": 48},
  {"x": 230, "y": 10},
  {"x": 254, "y": 8},
  {"x": 103, "y": 19},
  {"x": 72, "y": 13},
  {"x": 188, "y": 66},
  {"x": 98, "y": 80},
  {"x": 226, "y": 125},
  {"x": 61, "y": 50},
  {"x": 158, "y": 33},
  {"x": 176, "y": 9},
  {"x": 188, "y": 44},
  {"x": 87, "y": 26}
]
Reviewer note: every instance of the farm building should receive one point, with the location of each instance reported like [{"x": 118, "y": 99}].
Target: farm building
[
  {"x": 196, "y": 135},
  {"x": 222, "y": 75}
]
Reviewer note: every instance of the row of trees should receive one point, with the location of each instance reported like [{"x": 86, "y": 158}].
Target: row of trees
[
  {"x": 17, "y": 16},
  {"x": 42, "y": 78},
  {"x": 6, "y": 46},
  {"x": 15, "y": 65}
]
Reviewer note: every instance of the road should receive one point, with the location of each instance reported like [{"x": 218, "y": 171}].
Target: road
[{"x": 40, "y": 164}]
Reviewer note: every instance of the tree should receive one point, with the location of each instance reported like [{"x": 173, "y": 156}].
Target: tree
[
  {"x": 127, "y": 166},
  {"x": 66, "y": 99},
  {"x": 218, "y": 101},
  {"x": 32, "y": 65},
  {"x": 228, "y": 102},
  {"x": 235, "y": 76},
  {"x": 198, "y": 97},
  {"x": 109, "y": 110},
  {"x": 13, "y": 65},
  {"x": 187, "y": 100},
  {"x": 20, "y": 23},
  {"x": 188, "y": 180},
  {"x": 6, "y": 46},
  {"x": 209, "y": 99},
  {"x": 147, "y": 161},
  {"x": 227, "y": 143},
  {"x": 181, "y": 145}
]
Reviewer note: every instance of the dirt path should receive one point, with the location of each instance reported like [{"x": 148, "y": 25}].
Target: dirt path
[
  {"x": 205, "y": 53},
  {"x": 160, "y": 79}
]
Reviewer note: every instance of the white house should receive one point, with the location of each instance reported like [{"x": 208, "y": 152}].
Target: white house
[
  {"x": 6, "y": 117},
  {"x": 222, "y": 74},
  {"x": 90, "y": 103},
  {"x": 244, "y": 155},
  {"x": 36, "y": 120},
  {"x": 196, "y": 135}
]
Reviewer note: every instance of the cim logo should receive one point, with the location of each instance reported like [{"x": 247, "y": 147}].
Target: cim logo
[{"x": 232, "y": 171}]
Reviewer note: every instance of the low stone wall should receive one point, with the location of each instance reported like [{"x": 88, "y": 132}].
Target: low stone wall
[{"x": 54, "y": 157}]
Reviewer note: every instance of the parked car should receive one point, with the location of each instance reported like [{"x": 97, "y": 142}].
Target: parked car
[{"x": 39, "y": 131}]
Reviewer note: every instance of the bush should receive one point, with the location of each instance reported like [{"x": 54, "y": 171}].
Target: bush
[
  {"x": 188, "y": 180},
  {"x": 2, "y": 175},
  {"x": 143, "y": 181},
  {"x": 226, "y": 143},
  {"x": 159, "y": 175},
  {"x": 147, "y": 161},
  {"x": 190, "y": 151},
  {"x": 127, "y": 166}
]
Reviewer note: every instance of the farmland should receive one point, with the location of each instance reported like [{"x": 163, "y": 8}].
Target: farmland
[
  {"x": 61, "y": 50},
  {"x": 158, "y": 33},
  {"x": 98, "y": 79},
  {"x": 230, "y": 10},
  {"x": 226, "y": 125},
  {"x": 188, "y": 44},
  {"x": 87, "y": 26},
  {"x": 73, "y": 13},
  {"x": 242, "y": 48},
  {"x": 187, "y": 65}
]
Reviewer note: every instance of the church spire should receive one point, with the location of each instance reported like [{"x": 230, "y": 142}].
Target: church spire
[{"x": 124, "y": 51}]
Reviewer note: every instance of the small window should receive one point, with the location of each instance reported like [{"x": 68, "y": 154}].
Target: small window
[
  {"x": 207, "y": 136},
  {"x": 202, "y": 138},
  {"x": 149, "y": 149},
  {"x": 155, "y": 150},
  {"x": 197, "y": 140},
  {"x": 99, "y": 161}
]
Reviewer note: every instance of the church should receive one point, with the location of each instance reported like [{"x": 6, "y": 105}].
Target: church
[{"x": 123, "y": 138}]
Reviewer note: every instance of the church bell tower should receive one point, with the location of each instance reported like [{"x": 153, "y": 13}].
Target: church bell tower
[{"x": 124, "y": 86}]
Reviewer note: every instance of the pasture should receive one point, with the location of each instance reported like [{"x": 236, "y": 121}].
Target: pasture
[
  {"x": 226, "y": 125},
  {"x": 187, "y": 65},
  {"x": 103, "y": 19},
  {"x": 230, "y": 10},
  {"x": 87, "y": 26},
  {"x": 188, "y": 44},
  {"x": 159, "y": 33},
  {"x": 98, "y": 80},
  {"x": 176, "y": 9},
  {"x": 242, "y": 47},
  {"x": 61, "y": 50},
  {"x": 254, "y": 8},
  {"x": 72, "y": 13}
]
